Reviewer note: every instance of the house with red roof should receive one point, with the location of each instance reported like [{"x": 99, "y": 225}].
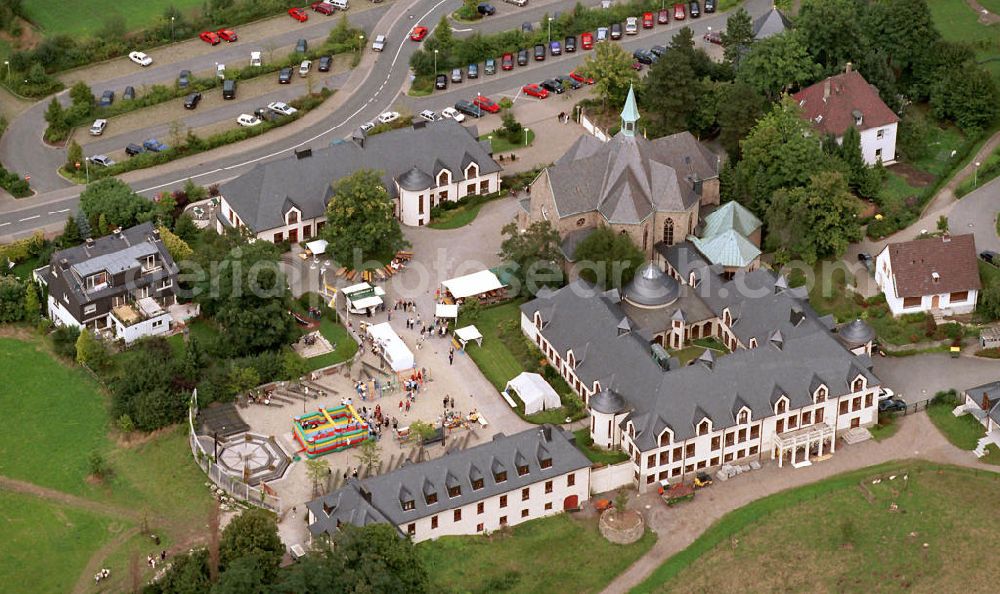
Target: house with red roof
[
  {"x": 937, "y": 275},
  {"x": 846, "y": 100}
]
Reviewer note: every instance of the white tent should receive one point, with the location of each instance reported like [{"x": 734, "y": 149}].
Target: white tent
[
  {"x": 443, "y": 310},
  {"x": 317, "y": 247},
  {"x": 466, "y": 334},
  {"x": 394, "y": 350},
  {"x": 535, "y": 392},
  {"x": 362, "y": 296},
  {"x": 473, "y": 284}
]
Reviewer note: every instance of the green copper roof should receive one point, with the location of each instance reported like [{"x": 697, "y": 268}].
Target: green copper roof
[
  {"x": 728, "y": 248},
  {"x": 731, "y": 215},
  {"x": 630, "y": 113}
]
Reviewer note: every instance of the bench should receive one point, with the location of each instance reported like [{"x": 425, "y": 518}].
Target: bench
[
  {"x": 482, "y": 421},
  {"x": 509, "y": 400}
]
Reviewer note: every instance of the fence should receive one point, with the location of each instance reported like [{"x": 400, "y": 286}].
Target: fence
[
  {"x": 592, "y": 128},
  {"x": 610, "y": 478},
  {"x": 225, "y": 481}
]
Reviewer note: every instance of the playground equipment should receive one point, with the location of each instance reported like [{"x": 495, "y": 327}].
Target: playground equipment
[{"x": 330, "y": 430}]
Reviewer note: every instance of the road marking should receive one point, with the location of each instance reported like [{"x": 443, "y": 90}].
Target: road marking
[
  {"x": 460, "y": 30},
  {"x": 4, "y": 224},
  {"x": 30, "y": 218},
  {"x": 52, "y": 212}
]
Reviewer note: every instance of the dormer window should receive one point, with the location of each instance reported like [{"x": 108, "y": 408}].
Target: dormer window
[
  {"x": 408, "y": 505},
  {"x": 477, "y": 484},
  {"x": 704, "y": 427},
  {"x": 859, "y": 384},
  {"x": 293, "y": 217},
  {"x": 743, "y": 418},
  {"x": 538, "y": 320},
  {"x": 150, "y": 262},
  {"x": 727, "y": 319},
  {"x": 571, "y": 359},
  {"x": 753, "y": 343},
  {"x": 444, "y": 178},
  {"x": 821, "y": 393},
  {"x": 545, "y": 463},
  {"x": 781, "y": 406},
  {"x": 471, "y": 171},
  {"x": 431, "y": 498},
  {"x": 97, "y": 281},
  {"x": 454, "y": 491},
  {"x": 522, "y": 470},
  {"x": 500, "y": 476}
]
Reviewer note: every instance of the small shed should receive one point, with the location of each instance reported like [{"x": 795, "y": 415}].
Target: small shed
[
  {"x": 989, "y": 338},
  {"x": 467, "y": 334},
  {"x": 535, "y": 392}
]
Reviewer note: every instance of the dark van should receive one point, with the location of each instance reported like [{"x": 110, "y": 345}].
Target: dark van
[{"x": 229, "y": 89}]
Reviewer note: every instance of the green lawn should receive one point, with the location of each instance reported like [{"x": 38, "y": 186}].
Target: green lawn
[
  {"x": 959, "y": 23},
  {"x": 687, "y": 354},
  {"x": 599, "y": 455},
  {"x": 886, "y": 428},
  {"x": 457, "y": 217},
  {"x": 963, "y": 432},
  {"x": 502, "y": 145},
  {"x": 339, "y": 336},
  {"x": 556, "y": 554},
  {"x": 839, "y": 535},
  {"x": 897, "y": 189},
  {"x": 941, "y": 142},
  {"x": 47, "y": 545},
  {"x": 204, "y": 330},
  {"x": 710, "y": 343},
  {"x": 86, "y": 18}
]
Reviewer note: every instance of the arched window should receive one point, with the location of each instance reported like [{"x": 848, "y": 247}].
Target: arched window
[
  {"x": 703, "y": 427},
  {"x": 743, "y": 417},
  {"x": 668, "y": 232},
  {"x": 859, "y": 384},
  {"x": 780, "y": 408},
  {"x": 471, "y": 171},
  {"x": 444, "y": 178},
  {"x": 293, "y": 217}
]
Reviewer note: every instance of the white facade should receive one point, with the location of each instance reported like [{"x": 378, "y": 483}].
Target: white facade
[
  {"x": 295, "y": 229},
  {"x": 878, "y": 144},
  {"x": 154, "y": 326},
  {"x": 957, "y": 303},
  {"x": 413, "y": 207}
]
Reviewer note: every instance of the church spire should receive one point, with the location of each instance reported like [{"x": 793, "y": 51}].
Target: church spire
[{"x": 630, "y": 113}]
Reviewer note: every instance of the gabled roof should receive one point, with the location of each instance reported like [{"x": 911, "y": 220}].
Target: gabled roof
[
  {"x": 731, "y": 215},
  {"x": 728, "y": 248},
  {"x": 835, "y": 104},
  {"x": 915, "y": 264},
  {"x": 770, "y": 23}
]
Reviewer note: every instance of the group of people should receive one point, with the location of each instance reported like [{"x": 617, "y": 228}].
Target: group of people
[
  {"x": 152, "y": 559},
  {"x": 253, "y": 397},
  {"x": 103, "y": 574}
]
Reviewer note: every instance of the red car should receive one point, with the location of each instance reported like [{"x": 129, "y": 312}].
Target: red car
[
  {"x": 587, "y": 40},
  {"x": 418, "y": 33},
  {"x": 209, "y": 37},
  {"x": 679, "y": 12},
  {"x": 507, "y": 62},
  {"x": 298, "y": 14},
  {"x": 647, "y": 20},
  {"x": 323, "y": 7},
  {"x": 581, "y": 78},
  {"x": 534, "y": 90},
  {"x": 486, "y": 104},
  {"x": 663, "y": 17},
  {"x": 227, "y": 35},
  {"x": 713, "y": 37}
]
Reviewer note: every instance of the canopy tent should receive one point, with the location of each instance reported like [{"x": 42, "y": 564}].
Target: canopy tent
[
  {"x": 467, "y": 334},
  {"x": 362, "y": 296},
  {"x": 535, "y": 392},
  {"x": 392, "y": 347},
  {"x": 443, "y": 310},
  {"x": 472, "y": 285},
  {"x": 317, "y": 247}
]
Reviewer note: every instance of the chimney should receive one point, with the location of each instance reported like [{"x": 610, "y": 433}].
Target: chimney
[
  {"x": 826, "y": 90},
  {"x": 547, "y": 432},
  {"x": 849, "y": 67}
]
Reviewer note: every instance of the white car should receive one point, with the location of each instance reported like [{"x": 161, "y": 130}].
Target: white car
[
  {"x": 389, "y": 116},
  {"x": 305, "y": 67},
  {"x": 428, "y": 115},
  {"x": 367, "y": 126},
  {"x": 886, "y": 394},
  {"x": 103, "y": 160},
  {"x": 452, "y": 113},
  {"x": 282, "y": 108},
  {"x": 379, "y": 43},
  {"x": 98, "y": 127},
  {"x": 631, "y": 26},
  {"x": 247, "y": 121},
  {"x": 140, "y": 58}
]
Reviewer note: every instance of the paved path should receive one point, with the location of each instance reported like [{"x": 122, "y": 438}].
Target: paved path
[{"x": 677, "y": 528}]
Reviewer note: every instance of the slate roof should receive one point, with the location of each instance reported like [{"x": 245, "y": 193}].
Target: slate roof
[
  {"x": 731, "y": 215},
  {"x": 770, "y": 23},
  {"x": 378, "y": 499},
  {"x": 651, "y": 287},
  {"x": 915, "y": 262},
  {"x": 855, "y": 333},
  {"x": 629, "y": 177},
  {"x": 806, "y": 354},
  {"x": 728, "y": 248},
  {"x": 683, "y": 257},
  {"x": 608, "y": 402},
  {"x": 850, "y": 95},
  {"x": 415, "y": 180},
  {"x": 259, "y": 196},
  {"x": 991, "y": 391}
]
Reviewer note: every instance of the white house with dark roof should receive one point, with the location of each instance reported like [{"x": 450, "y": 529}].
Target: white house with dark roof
[
  {"x": 504, "y": 482},
  {"x": 983, "y": 403},
  {"x": 421, "y": 166},
  {"x": 933, "y": 275}
]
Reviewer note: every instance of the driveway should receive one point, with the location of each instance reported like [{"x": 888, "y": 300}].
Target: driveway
[
  {"x": 919, "y": 377},
  {"x": 977, "y": 213}
]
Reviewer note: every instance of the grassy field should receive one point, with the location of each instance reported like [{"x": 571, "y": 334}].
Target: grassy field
[
  {"x": 959, "y": 23},
  {"x": 87, "y": 18},
  {"x": 458, "y": 217},
  {"x": 851, "y": 541},
  {"x": 502, "y": 145},
  {"x": 963, "y": 432},
  {"x": 897, "y": 189},
  {"x": 539, "y": 556},
  {"x": 941, "y": 142},
  {"x": 338, "y": 336}
]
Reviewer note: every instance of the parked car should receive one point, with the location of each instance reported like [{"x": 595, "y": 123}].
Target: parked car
[
  {"x": 102, "y": 160},
  {"x": 709, "y": 5},
  {"x": 132, "y": 149},
  {"x": 886, "y": 393},
  {"x": 648, "y": 21},
  {"x": 631, "y": 26},
  {"x": 694, "y": 9},
  {"x": 490, "y": 66},
  {"x": 469, "y": 108},
  {"x": 324, "y": 63},
  {"x": 247, "y": 121},
  {"x": 713, "y": 37},
  {"x": 388, "y": 116},
  {"x": 305, "y": 67},
  {"x": 892, "y": 405},
  {"x": 379, "y": 44},
  {"x": 154, "y": 145},
  {"x": 192, "y": 101},
  {"x": 602, "y": 34},
  {"x": 428, "y": 115},
  {"x": 229, "y": 89},
  {"x": 473, "y": 71},
  {"x": 587, "y": 40},
  {"x": 643, "y": 56},
  {"x": 367, "y": 126},
  {"x": 441, "y": 82},
  {"x": 301, "y": 46},
  {"x": 107, "y": 98},
  {"x": 570, "y": 44},
  {"x": 663, "y": 17},
  {"x": 323, "y": 7},
  {"x": 280, "y": 107},
  {"x": 517, "y": 2},
  {"x": 285, "y": 76},
  {"x": 616, "y": 31},
  {"x": 129, "y": 93},
  {"x": 534, "y": 90},
  {"x": 486, "y": 104},
  {"x": 97, "y": 128},
  {"x": 298, "y": 14},
  {"x": 522, "y": 57},
  {"x": 568, "y": 81},
  {"x": 140, "y": 58},
  {"x": 486, "y": 9},
  {"x": 555, "y": 48},
  {"x": 658, "y": 50},
  {"x": 526, "y": 27},
  {"x": 552, "y": 86},
  {"x": 581, "y": 78},
  {"x": 539, "y": 52},
  {"x": 456, "y": 75},
  {"x": 184, "y": 79},
  {"x": 210, "y": 37},
  {"x": 679, "y": 12},
  {"x": 452, "y": 114},
  {"x": 255, "y": 60},
  {"x": 990, "y": 257},
  {"x": 418, "y": 33},
  {"x": 507, "y": 61}
]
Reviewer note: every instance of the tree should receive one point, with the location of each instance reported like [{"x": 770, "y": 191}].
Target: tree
[
  {"x": 740, "y": 106},
  {"x": 850, "y": 153},
  {"x": 74, "y": 155},
  {"x": 470, "y": 310},
  {"x": 81, "y": 96},
  {"x": 360, "y": 220},
  {"x": 423, "y": 430},
  {"x": 143, "y": 386},
  {"x": 777, "y": 64},
  {"x": 246, "y": 575},
  {"x": 185, "y": 228},
  {"x": 71, "y": 234},
  {"x": 989, "y": 301},
  {"x": 816, "y": 221},
  {"x": 187, "y": 574},
  {"x": 98, "y": 466},
  {"x": 611, "y": 68},
  {"x": 621, "y": 502},
  {"x": 912, "y": 134},
  {"x": 253, "y": 532},
  {"x": 904, "y": 30},
  {"x": 92, "y": 352},
  {"x": 12, "y": 299},
  {"x": 243, "y": 379},
  {"x": 967, "y": 95},
  {"x": 672, "y": 92},
  {"x": 369, "y": 454},
  {"x": 531, "y": 256},
  {"x": 164, "y": 206},
  {"x": 317, "y": 469},
  {"x": 179, "y": 249},
  {"x": 32, "y": 305},
  {"x": 831, "y": 30},
  {"x": 193, "y": 360},
  {"x": 55, "y": 115},
  {"x": 608, "y": 259},
  {"x": 738, "y": 36},
  {"x": 114, "y": 201}
]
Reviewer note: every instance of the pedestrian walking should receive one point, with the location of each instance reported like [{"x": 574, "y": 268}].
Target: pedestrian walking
[{"x": 451, "y": 358}]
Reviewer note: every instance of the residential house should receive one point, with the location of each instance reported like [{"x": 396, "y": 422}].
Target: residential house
[
  {"x": 772, "y": 22},
  {"x": 983, "y": 403},
  {"x": 937, "y": 275}
]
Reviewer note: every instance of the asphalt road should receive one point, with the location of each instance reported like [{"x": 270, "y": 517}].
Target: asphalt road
[{"x": 378, "y": 91}]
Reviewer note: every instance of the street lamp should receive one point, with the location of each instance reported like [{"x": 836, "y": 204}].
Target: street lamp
[
  {"x": 435, "y": 62},
  {"x": 172, "y": 28},
  {"x": 550, "y": 31},
  {"x": 7, "y": 64},
  {"x": 526, "y": 130},
  {"x": 361, "y": 41},
  {"x": 975, "y": 175}
]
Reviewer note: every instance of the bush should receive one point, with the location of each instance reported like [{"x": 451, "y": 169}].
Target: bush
[
  {"x": 63, "y": 340},
  {"x": 949, "y": 397},
  {"x": 992, "y": 353}
]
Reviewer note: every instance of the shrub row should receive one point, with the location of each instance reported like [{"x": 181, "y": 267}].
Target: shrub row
[
  {"x": 989, "y": 169},
  {"x": 14, "y": 183}
]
